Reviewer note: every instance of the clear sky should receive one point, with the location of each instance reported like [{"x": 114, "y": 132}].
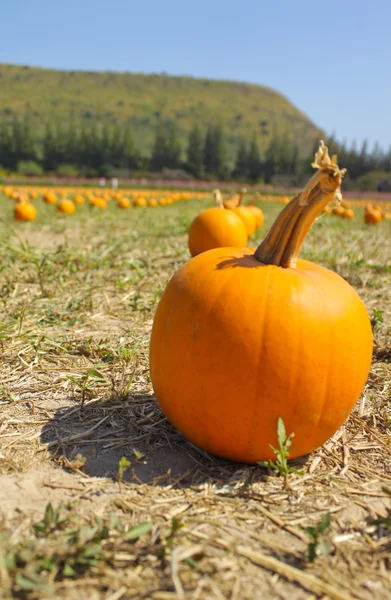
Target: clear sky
[{"x": 331, "y": 58}]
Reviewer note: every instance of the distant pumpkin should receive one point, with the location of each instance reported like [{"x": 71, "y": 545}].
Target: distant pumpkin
[
  {"x": 123, "y": 203},
  {"x": 50, "y": 198},
  {"x": 24, "y": 211},
  {"x": 215, "y": 228},
  {"x": 66, "y": 206}
]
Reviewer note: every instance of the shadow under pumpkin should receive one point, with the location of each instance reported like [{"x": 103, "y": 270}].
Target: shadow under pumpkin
[{"x": 93, "y": 438}]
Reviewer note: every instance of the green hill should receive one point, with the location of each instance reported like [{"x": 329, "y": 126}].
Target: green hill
[{"x": 144, "y": 99}]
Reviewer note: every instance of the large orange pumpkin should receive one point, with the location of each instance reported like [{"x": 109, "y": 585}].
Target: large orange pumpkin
[
  {"x": 241, "y": 338},
  {"x": 216, "y": 227}
]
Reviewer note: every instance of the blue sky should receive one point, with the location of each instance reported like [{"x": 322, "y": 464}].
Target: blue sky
[{"x": 331, "y": 59}]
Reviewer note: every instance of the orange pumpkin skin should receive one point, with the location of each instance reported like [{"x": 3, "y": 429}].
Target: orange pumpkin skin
[
  {"x": 50, "y": 198},
  {"x": 214, "y": 228},
  {"x": 248, "y": 218},
  {"x": 348, "y": 213},
  {"x": 139, "y": 202},
  {"x": 25, "y": 212},
  {"x": 123, "y": 203},
  {"x": 338, "y": 211},
  {"x": 236, "y": 344},
  {"x": 259, "y": 218},
  {"x": 372, "y": 216},
  {"x": 66, "y": 206}
]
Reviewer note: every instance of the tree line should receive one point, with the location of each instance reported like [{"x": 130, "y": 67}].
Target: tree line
[{"x": 93, "y": 148}]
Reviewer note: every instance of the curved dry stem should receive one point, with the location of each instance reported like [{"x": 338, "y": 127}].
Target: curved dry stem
[{"x": 284, "y": 240}]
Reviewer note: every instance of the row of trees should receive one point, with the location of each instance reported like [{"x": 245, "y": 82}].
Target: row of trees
[{"x": 97, "y": 148}]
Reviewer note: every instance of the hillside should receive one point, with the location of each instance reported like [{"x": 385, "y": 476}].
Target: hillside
[{"x": 144, "y": 99}]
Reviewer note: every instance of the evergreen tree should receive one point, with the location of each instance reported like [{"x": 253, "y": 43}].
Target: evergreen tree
[
  {"x": 129, "y": 157},
  {"x": 105, "y": 154},
  {"x": 241, "y": 169},
  {"x": 27, "y": 149},
  {"x": 353, "y": 162},
  {"x": 173, "y": 158},
  {"x": 116, "y": 145},
  {"x": 254, "y": 160},
  {"x": 272, "y": 159},
  {"x": 363, "y": 160},
  {"x": 215, "y": 152},
  {"x": 5, "y": 144},
  {"x": 194, "y": 163},
  {"x": 386, "y": 163},
  {"x": 81, "y": 154},
  {"x": 49, "y": 149},
  {"x": 61, "y": 140},
  {"x": 294, "y": 166},
  {"x": 209, "y": 150},
  {"x": 159, "y": 152},
  {"x": 94, "y": 159},
  {"x": 16, "y": 146},
  {"x": 71, "y": 142},
  {"x": 220, "y": 157},
  {"x": 376, "y": 159}
]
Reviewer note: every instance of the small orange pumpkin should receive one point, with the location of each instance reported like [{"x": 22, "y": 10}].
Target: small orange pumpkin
[
  {"x": 66, "y": 206},
  {"x": 348, "y": 213},
  {"x": 248, "y": 218},
  {"x": 338, "y": 210},
  {"x": 98, "y": 202},
  {"x": 372, "y": 215},
  {"x": 216, "y": 227},
  {"x": 139, "y": 202},
  {"x": 24, "y": 211},
  {"x": 246, "y": 213},
  {"x": 50, "y": 198},
  {"x": 259, "y": 218},
  {"x": 123, "y": 202},
  {"x": 235, "y": 200},
  {"x": 243, "y": 338}
]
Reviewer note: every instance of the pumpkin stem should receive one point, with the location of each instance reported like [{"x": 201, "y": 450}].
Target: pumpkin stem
[
  {"x": 241, "y": 195},
  {"x": 287, "y": 234},
  {"x": 219, "y": 198}
]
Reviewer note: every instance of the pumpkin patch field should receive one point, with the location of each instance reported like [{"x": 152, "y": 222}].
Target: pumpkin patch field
[{"x": 101, "y": 497}]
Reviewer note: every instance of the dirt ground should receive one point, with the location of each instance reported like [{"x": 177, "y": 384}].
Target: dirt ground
[{"x": 173, "y": 521}]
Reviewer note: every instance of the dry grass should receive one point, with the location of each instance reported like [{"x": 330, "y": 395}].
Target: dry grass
[{"x": 77, "y": 302}]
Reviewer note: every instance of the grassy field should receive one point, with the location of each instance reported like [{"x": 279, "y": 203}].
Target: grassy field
[
  {"x": 78, "y": 295},
  {"x": 244, "y": 108}
]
